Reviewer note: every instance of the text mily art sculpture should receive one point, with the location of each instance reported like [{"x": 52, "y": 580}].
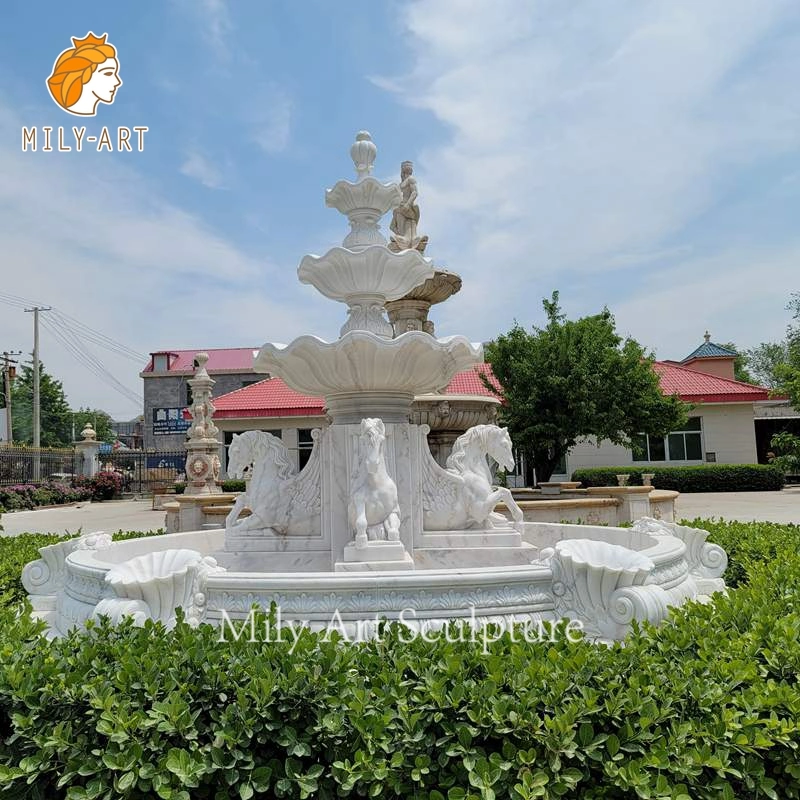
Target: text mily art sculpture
[{"x": 373, "y": 525}]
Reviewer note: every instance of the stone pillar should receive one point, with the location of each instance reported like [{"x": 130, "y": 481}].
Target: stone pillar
[
  {"x": 88, "y": 450},
  {"x": 339, "y": 462},
  {"x": 635, "y": 500},
  {"x": 202, "y": 446}
]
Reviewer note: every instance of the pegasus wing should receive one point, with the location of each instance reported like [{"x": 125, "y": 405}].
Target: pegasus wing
[
  {"x": 305, "y": 487},
  {"x": 440, "y": 489}
]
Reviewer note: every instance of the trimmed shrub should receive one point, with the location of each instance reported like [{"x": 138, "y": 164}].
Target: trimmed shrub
[
  {"x": 749, "y": 544},
  {"x": 707, "y": 706},
  {"x": 24, "y": 496},
  {"x": 700, "y": 478},
  {"x": 105, "y": 485},
  {"x": 228, "y": 485},
  {"x": 17, "y": 551}
]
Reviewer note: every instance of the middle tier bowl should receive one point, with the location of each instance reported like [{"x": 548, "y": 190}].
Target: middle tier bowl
[
  {"x": 375, "y": 271},
  {"x": 363, "y": 374}
]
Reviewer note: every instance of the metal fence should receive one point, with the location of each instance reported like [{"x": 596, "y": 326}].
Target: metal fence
[
  {"x": 19, "y": 464},
  {"x": 145, "y": 471}
]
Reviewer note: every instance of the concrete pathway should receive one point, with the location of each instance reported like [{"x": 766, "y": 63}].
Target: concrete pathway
[
  {"x": 137, "y": 515},
  {"x": 111, "y": 516},
  {"x": 743, "y": 506}
]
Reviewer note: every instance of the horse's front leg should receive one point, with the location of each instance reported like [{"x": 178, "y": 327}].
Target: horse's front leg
[
  {"x": 516, "y": 512},
  {"x": 500, "y": 495},
  {"x": 233, "y": 515},
  {"x": 361, "y": 524},
  {"x": 391, "y": 525}
]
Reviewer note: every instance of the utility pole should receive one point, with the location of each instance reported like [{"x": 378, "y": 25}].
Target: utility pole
[
  {"x": 8, "y": 376},
  {"x": 37, "y": 428}
]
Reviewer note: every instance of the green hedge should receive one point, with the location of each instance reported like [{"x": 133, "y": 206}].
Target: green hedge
[
  {"x": 231, "y": 485},
  {"x": 17, "y": 551},
  {"x": 701, "y": 478},
  {"x": 749, "y": 545},
  {"x": 707, "y": 706}
]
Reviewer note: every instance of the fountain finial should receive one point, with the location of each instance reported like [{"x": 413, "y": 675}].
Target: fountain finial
[{"x": 363, "y": 152}]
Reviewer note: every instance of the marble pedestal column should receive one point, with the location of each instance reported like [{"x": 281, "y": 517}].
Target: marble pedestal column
[{"x": 340, "y": 454}]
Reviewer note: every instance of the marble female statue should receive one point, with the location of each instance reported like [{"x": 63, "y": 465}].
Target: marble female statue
[
  {"x": 405, "y": 217},
  {"x": 84, "y": 75},
  {"x": 373, "y": 510},
  {"x": 461, "y": 496}
]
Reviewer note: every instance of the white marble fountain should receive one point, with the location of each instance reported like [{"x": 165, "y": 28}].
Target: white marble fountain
[{"x": 372, "y": 526}]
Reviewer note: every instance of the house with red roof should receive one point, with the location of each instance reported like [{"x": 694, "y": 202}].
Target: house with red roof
[
  {"x": 166, "y": 392},
  {"x": 720, "y": 428}
]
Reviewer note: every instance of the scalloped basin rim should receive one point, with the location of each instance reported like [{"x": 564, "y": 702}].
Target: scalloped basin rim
[
  {"x": 179, "y": 563},
  {"x": 442, "y": 341},
  {"x": 596, "y": 553}
]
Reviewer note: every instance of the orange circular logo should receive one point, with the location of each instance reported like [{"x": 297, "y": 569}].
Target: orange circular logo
[{"x": 84, "y": 75}]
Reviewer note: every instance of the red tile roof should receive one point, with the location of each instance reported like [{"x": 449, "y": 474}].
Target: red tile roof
[
  {"x": 700, "y": 387},
  {"x": 469, "y": 382},
  {"x": 267, "y": 398},
  {"x": 235, "y": 358},
  {"x": 273, "y": 398}
]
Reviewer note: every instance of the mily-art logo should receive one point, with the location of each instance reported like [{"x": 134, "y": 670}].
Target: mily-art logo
[{"x": 84, "y": 76}]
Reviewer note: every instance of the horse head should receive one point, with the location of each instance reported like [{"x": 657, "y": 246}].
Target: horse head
[
  {"x": 253, "y": 449},
  {"x": 499, "y": 447},
  {"x": 240, "y": 455},
  {"x": 372, "y": 437}
]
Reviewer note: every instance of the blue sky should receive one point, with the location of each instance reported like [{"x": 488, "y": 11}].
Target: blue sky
[{"x": 641, "y": 155}]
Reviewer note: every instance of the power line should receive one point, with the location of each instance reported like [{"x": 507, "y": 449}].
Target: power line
[
  {"x": 80, "y": 329},
  {"x": 94, "y": 365}
]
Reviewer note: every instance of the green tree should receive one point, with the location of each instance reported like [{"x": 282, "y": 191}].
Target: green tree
[
  {"x": 763, "y": 362},
  {"x": 100, "y": 421},
  {"x": 741, "y": 365},
  {"x": 788, "y": 373},
  {"x": 576, "y": 379},
  {"x": 55, "y": 417},
  {"x": 785, "y": 444}
]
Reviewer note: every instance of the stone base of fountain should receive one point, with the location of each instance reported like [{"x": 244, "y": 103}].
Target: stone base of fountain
[
  {"x": 375, "y": 557},
  {"x": 604, "y": 577}
]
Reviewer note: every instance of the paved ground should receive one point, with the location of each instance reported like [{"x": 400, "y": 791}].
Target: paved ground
[
  {"x": 745, "y": 506},
  {"x": 126, "y": 515},
  {"x": 137, "y": 515}
]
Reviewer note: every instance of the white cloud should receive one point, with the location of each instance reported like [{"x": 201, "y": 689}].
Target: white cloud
[
  {"x": 583, "y": 138},
  {"x": 269, "y": 119},
  {"x": 198, "y": 166},
  {"x": 214, "y": 22},
  {"x": 88, "y": 234}
]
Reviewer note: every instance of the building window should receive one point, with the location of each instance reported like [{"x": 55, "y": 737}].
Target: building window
[
  {"x": 682, "y": 445},
  {"x": 250, "y": 382},
  {"x": 188, "y": 395},
  {"x": 304, "y": 446},
  {"x": 160, "y": 363}
]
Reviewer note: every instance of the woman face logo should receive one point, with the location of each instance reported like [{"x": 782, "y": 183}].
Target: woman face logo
[{"x": 84, "y": 75}]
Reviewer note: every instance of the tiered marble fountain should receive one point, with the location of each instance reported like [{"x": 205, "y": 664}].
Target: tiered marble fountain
[{"x": 372, "y": 526}]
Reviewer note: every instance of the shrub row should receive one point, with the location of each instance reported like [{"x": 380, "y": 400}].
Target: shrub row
[
  {"x": 749, "y": 545},
  {"x": 28, "y": 495},
  {"x": 700, "y": 478},
  {"x": 706, "y": 706},
  {"x": 17, "y": 551},
  {"x": 228, "y": 485},
  {"x": 105, "y": 485}
]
